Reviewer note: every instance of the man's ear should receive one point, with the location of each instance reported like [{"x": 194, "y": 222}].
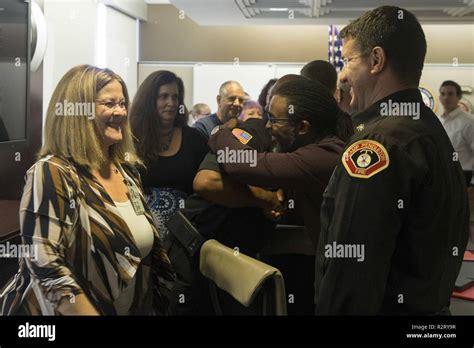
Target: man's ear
[
  {"x": 337, "y": 95},
  {"x": 218, "y": 98},
  {"x": 378, "y": 60},
  {"x": 304, "y": 127}
]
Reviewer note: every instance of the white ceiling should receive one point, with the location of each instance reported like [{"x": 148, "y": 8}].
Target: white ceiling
[
  {"x": 288, "y": 12},
  {"x": 158, "y": 2}
]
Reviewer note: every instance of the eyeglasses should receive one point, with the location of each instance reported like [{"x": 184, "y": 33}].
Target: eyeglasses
[
  {"x": 109, "y": 104},
  {"x": 347, "y": 60},
  {"x": 272, "y": 119}
]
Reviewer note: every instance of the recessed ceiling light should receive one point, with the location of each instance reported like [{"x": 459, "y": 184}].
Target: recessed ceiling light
[{"x": 277, "y": 9}]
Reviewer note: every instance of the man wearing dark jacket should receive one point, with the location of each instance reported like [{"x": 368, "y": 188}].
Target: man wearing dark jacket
[
  {"x": 234, "y": 217},
  {"x": 395, "y": 215}
]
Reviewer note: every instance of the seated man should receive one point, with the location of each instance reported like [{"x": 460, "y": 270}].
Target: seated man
[
  {"x": 234, "y": 217},
  {"x": 303, "y": 118}
]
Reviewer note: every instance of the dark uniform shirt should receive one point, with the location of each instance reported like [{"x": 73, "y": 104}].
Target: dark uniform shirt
[
  {"x": 3, "y": 131},
  {"x": 394, "y": 219}
]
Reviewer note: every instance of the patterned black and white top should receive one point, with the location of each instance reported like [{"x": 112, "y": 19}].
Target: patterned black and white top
[{"x": 82, "y": 245}]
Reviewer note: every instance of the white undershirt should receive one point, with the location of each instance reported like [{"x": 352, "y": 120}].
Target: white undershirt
[
  {"x": 138, "y": 226},
  {"x": 144, "y": 238}
]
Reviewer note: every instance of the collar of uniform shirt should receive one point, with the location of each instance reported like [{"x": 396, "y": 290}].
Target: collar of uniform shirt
[{"x": 373, "y": 111}]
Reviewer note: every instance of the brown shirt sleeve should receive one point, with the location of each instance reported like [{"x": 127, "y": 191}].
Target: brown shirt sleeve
[{"x": 310, "y": 164}]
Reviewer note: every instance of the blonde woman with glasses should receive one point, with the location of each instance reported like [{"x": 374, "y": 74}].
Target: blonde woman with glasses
[{"x": 95, "y": 248}]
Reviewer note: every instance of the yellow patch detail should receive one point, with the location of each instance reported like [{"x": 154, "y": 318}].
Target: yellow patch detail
[
  {"x": 365, "y": 158},
  {"x": 243, "y": 136}
]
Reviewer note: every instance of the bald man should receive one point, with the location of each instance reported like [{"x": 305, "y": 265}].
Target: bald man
[{"x": 230, "y": 99}]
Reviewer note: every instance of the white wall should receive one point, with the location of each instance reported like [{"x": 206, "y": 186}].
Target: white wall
[
  {"x": 71, "y": 26},
  {"x": 122, "y": 46},
  {"x": 202, "y": 81},
  {"x": 89, "y": 32}
]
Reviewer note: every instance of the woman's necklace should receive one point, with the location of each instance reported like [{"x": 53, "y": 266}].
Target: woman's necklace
[{"x": 166, "y": 146}]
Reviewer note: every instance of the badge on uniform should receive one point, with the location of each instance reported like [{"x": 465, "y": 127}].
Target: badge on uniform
[
  {"x": 360, "y": 127},
  {"x": 365, "y": 158},
  {"x": 243, "y": 136}
]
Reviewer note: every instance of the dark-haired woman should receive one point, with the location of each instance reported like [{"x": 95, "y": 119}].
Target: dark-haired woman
[{"x": 171, "y": 150}]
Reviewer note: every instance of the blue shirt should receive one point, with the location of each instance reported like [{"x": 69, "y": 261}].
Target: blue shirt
[{"x": 206, "y": 124}]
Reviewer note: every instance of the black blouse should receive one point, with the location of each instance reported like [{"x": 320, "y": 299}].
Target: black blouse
[{"x": 177, "y": 171}]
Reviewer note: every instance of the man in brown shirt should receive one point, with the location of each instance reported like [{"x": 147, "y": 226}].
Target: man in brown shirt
[{"x": 302, "y": 118}]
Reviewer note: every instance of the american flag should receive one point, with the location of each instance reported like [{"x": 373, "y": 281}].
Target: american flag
[{"x": 335, "y": 48}]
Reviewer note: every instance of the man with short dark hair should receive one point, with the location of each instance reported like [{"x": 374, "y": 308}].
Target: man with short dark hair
[
  {"x": 395, "y": 215},
  {"x": 281, "y": 81},
  {"x": 325, "y": 73},
  {"x": 459, "y": 125},
  {"x": 321, "y": 71}
]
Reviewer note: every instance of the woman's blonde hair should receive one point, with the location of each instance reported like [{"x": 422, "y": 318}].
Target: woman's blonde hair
[{"x": 75, "y": 134}]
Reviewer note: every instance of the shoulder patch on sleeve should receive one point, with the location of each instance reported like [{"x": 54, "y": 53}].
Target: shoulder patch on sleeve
[
  {"x": 365, "y": 158},
  {"x": 243, "y": 136}
]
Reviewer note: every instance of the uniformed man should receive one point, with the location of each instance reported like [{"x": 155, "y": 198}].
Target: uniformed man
[{"x": 394, "y": 220}]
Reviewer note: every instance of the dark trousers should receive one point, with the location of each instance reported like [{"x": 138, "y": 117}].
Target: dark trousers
[{"x": 298, "y": 273}]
